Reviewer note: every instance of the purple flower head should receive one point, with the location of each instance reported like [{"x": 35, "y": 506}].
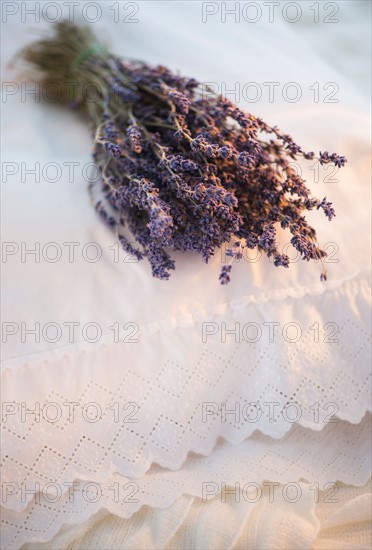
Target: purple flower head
[
  {"x": 267, "y": 238},
  {"x": 327, "y": 208},
  {"x": 178, "y": 163},
  {"x": 281, "y": 260},
  {"x": 246, "y": 159},
  {"x": 112, "y": 148},
  {"x": 225, "y": 152},
  {"x": 337, "y": 160},
  {"x": 225, "y": 274},
  {"x": 134, "y": 135},
  {"x": 129, "y": 248},
  {"x": 180, "y": 100}
]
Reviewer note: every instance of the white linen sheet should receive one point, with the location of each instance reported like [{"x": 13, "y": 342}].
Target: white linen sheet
[{"x": 171, "y": 372}]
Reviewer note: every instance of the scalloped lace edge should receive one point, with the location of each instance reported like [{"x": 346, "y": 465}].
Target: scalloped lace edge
[
  {"x": 84, "y": 517},
  {"x": 174, "y": 467}
]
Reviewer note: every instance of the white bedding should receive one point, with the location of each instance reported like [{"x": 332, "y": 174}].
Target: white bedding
[{"x": 170, "y": 372}]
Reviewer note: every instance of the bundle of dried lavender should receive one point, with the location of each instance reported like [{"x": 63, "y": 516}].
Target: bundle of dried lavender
[{"x": 184, "y": 171}]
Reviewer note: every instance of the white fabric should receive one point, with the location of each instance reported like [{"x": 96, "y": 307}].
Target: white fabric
[
  {"x": 107, "y": 292},
  {"x": 168, "y": 385},
  {"x": 144, "y": 411},
  {"x": 192, "y": 523},
  {"x": 323, "y": 459},
  {"x": 170, "y": 372}
]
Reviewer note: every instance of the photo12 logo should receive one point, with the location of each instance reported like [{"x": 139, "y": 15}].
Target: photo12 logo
[
  {"x": 273, "y": 491},
  {"x": 273, "y": 91},
  {"x": 52, "y": 492},
  {"x": 72, "y": 332},
  {"x": 253, "y": 12},
  {"x": 253, "y": 412},
  {"x": 54, "y": 412},
  {"x": 269, "y": 332},
  {"x": 54, "y": 12}
]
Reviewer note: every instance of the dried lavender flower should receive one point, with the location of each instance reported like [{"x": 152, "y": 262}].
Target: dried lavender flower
[{"x": 183, "y": 171}]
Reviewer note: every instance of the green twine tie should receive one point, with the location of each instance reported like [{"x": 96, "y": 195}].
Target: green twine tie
[
  {"x": 80, "y": 59},
  {"x": 84, "y": 55}
]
